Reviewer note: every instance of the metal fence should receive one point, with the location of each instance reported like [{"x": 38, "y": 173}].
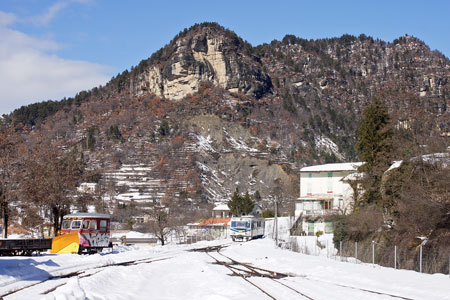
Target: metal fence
[{"x": 421, "y": 259}]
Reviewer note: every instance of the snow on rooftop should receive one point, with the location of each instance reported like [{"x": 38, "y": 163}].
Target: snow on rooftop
[
  {"x": 434, "y": 158},
  {"x": 395, "y": 165},
  {"x": 351, "y": 166},
  {"x": 221, "y": 206},
  {"x": 353, "y": 176}
]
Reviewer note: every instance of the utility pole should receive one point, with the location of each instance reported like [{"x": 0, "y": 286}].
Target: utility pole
[{"x": 276, "y": 221}]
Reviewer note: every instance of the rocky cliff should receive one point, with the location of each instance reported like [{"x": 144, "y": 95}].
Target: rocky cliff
[{"x": 204, "y": 54}]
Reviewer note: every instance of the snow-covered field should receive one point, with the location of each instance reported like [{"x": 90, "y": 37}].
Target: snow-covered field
[{"x": 172, "y": 272}]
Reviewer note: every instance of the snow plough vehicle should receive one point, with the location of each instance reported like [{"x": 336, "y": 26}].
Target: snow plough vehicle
[
  {"x": 80, "y": 233},
  {"x": 83, "y": 233}
]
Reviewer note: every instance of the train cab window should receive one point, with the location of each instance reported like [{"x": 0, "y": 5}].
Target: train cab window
[
  {"x": 93, "y": 224},
  {"x": 76, "y": 224},
  {"x": 66, "y": 224},
  {"x": 103, "y": 225},
  {"x": 86, "y": 224}
]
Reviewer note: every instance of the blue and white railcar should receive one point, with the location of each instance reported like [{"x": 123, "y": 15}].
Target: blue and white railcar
[{"x": 246, "y": 228}]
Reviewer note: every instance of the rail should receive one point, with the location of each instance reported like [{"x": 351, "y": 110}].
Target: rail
[{"x": 123, "y": 240}]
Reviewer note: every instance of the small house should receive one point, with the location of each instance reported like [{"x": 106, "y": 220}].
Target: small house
[
  {"x": 221, "y": 211},
  {"x": 324, "y": 190}
]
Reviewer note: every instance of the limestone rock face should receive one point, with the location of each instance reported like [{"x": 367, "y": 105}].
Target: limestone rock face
[{"x": 206, "y": 54}]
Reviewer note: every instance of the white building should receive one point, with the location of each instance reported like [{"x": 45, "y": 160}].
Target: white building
[
  {"x": 221, "y": 210},
  {"x": 323, "y": 191}
]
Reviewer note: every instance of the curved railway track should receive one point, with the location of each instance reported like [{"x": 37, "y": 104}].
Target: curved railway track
[{"x": 249, "y": 272}]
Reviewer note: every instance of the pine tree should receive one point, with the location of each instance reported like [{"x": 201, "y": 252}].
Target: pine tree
[
  {"x": 234, "y": 203},
  {"x": 241, "y": 205},
  {"x": 375, "y": 148},
  {"x": 247, "y": 204}
]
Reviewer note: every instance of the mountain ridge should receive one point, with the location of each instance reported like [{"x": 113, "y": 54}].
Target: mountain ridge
[{"x": 208, "y": 112}]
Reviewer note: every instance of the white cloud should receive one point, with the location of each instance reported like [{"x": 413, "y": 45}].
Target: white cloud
[
  {"x": 7, "y": 18},
  {"x": 50, "y": 14},
  {"x": 29, "y": 72},
  {"x": 52, "y": 11}
]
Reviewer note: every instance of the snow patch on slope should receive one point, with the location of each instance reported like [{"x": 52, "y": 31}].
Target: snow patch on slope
[
  {"x": 205, "y": 144},
  {"x": 328, "y": 146}
]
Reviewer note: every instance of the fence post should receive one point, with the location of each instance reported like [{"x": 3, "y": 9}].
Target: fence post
[
  {"x": 395, "y": 257},
  {"x": 328, "y": 249},
  {"x": 356, "y": 252},
  {"x": 340, "y": 250},
  {"x": 373, "y": 254},
  {"x": 315, "y": 248},
  {"x": 420, "y": 259}
]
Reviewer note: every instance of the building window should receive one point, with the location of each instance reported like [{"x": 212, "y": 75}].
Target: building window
[
  {"x": 328, "y": 204},
  {"x": 328, "y": 227},
  {"x": 330, "y": 182},
  {"x": 309, "y": 185},
  {"x": 307, "y": 205}
]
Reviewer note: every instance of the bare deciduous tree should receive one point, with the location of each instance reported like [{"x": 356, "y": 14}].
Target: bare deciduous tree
[
  {"x": 8, "y": 173},
  {"x": 160, "y": 224},
  {"x": 50, "y": 180}
]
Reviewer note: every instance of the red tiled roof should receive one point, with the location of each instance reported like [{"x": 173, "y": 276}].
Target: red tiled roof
[{"x": 214, "y": 221}]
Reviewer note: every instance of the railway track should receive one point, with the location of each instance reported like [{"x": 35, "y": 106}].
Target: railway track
[
  {"x": 273, "y": 284},
  {"x": 80, "y": 274},
  {"x": 261, "y": 278}
]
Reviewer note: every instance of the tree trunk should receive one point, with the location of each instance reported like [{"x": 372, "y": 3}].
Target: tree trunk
[
  {"x": 4, "y": 209},
  {"x": 56, "y": 215}
]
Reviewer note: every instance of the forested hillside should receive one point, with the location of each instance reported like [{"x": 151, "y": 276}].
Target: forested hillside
[{"x": 209, "y": 113}]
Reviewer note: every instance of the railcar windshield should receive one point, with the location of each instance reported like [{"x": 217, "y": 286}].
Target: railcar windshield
[
  {"x": 240, "y": 224},
  {"x": 76, "y": 224},
  {"x": 66, "y": 224}
]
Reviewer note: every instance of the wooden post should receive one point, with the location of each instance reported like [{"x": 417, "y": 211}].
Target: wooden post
[
  {"x": 373, "y": 253},
  {"x": 420, "y": 259},
  {"x": 276, "y": 222},
  {"x": 395, "y": 257}
]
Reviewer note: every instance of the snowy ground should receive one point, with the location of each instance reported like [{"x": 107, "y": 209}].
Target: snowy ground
[{"x": 172, "y": 272}]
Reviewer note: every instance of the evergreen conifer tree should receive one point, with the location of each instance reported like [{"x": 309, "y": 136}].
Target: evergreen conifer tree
[
  {"x": 247, "y": 204},
  {"x": 375, "y": 148},
  {"x": 234, "y": 203},
  {"x": 241, "y": 205}
]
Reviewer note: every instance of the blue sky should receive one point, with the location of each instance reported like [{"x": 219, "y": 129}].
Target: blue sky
[{"x": 50, "y": 49}]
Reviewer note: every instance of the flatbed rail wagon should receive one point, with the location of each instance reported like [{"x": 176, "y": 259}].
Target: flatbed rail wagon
[{"x": 24, "y": 246}]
